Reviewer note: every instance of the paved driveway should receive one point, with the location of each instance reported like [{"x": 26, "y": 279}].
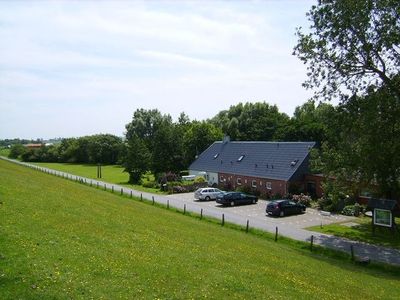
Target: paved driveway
[{"x": 312, "y": 217}]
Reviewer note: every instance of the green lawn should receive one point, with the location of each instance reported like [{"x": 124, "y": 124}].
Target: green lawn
[
  {"x": 60, "y": 240},
  {"x": 363, "y": 232},
  {"x": 111, "y": 173},
  {"x": 4, "y": 152}
]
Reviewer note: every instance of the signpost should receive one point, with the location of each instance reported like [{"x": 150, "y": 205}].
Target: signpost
[
  {"x": 383, "y": 217},
  {"x": 382, "y": 213}
]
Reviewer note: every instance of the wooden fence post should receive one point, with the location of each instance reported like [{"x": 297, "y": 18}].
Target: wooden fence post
[
  {"x": 312, "y": 242},
  {"x": 247, "y": 226},
  {"x": 276, "y": 233}
]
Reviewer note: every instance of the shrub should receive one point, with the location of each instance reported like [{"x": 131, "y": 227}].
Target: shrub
[
  {"x": 277, "y": 196},
  {"x": 149, "y": 184},
  {"x": 178, "y": 189},
  {"x": 199, "y": 179},
  {"x": 167, "y": 177},
  {"x": 243, "y": 189},
  {"x": 353, "y": 210},
  {"x": 302, "y": 199}
]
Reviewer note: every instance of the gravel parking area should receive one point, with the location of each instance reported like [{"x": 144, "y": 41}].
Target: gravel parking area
[{"x": 256, "y": 211}]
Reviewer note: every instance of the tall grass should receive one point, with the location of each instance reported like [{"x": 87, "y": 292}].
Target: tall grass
[{"x": 61, "y": 240}]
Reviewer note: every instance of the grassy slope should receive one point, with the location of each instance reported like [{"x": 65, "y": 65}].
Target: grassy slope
[
  {"x": 111, "y": 173},
  {"x": 60, "y": 239}
]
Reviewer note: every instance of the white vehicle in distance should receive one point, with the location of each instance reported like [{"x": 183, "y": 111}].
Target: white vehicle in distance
[{"x": 207, "y": 194}]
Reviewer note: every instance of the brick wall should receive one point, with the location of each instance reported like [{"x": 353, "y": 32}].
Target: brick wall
[
  {"x": 265, "y": 186},
  {"x": 315, "y": 179}
]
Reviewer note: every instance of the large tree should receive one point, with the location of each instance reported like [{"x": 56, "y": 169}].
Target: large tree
[
  {"x": 251, "y": 121},
  {"x": 363, "y": 148},
  {"x": 351, "y": 46}
]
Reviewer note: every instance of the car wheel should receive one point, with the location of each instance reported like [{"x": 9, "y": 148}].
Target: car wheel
[
  {"x": 282, "y": 213},
  {"x": 232, "y": 203},
  {"x": 254, "y": 201},
  {"x": 207, "y": 198}
]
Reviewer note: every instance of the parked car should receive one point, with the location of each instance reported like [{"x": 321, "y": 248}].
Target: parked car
[
  {"x": 235, "y": 198},
  {"x": 207, "y": 193},
  {"x": 284, "y": 207}
]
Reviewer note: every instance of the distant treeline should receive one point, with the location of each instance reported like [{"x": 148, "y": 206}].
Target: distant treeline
[{"x": 100, "y": 148}]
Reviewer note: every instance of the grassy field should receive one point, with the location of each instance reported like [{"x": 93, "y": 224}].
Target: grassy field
[
  {"x": 4, "y": 152},
  {"x": 61, "y": 240},
  {"x": 363, "y": 232},
  {"x": 112, "y": 174}
]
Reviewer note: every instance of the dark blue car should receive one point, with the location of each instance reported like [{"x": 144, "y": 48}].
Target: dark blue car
[{"x": 236, "y": 198}]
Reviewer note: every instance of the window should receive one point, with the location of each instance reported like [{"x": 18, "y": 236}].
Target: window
[
  {"x": 268, "y": 185},
  {"x": 240, "y": 158},
  {"x": 254, "y": 183},
  {"x": 239, "y": 181}
]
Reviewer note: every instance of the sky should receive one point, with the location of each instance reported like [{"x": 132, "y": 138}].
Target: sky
[{"x": 74, "y": 68}]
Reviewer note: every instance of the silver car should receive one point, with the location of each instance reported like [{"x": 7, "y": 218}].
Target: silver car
[{"x": 207, "y": 194}]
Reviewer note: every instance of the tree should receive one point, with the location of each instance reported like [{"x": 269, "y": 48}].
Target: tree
[
  {"x": 353, "y": 45},
  {"x": 251, "y": 121},
  {"x": 363, "y": 148},
  {"x": 144, "y": 124},
  {"x": 16, "y": 150},
  {"x": 198, "y": 137},
  {"x": 137, "y": 159},
  {"x": 309, "y": 123},
  {"x": 167, "y": 152}
]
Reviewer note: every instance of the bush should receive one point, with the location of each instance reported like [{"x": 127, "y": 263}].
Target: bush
[
  {"x": 149, "y": 184},
  {"x": 302, "y": 199},
  {"x": 277, "y": 196},
  {"x": 167, "y": 177},
  {"x": 178, "y": 189},
  {"x": 353, "y": 210},
  {"x": 199, "y": 179},
  {"x": 243, "y": 189}
]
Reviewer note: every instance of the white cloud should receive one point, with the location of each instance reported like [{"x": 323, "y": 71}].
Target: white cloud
[{"x": 88, "y": 59}]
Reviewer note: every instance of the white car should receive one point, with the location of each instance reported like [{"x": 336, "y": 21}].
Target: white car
[{"x": 207, "y": 194}]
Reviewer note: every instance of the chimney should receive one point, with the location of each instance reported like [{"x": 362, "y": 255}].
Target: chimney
[{"x": 226, "y": 139}]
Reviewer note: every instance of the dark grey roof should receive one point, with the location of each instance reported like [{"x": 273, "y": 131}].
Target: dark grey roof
[{"x": 274, "y": 160}]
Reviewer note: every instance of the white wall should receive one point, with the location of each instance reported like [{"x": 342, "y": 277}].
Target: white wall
[{"x": 211, "y": 177}]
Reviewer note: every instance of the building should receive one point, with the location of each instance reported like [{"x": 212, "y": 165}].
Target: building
[
  {"x": 269, "y": 167},
  {"x": 33, "y": 146}
]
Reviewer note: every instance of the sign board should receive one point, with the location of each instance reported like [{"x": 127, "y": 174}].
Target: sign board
[{"x": 383, "y": 217}]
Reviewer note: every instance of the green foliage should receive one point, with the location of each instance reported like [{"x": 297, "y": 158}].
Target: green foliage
[
  {"x": 199, "y": 179},
  {"x": 16, "y": 151},
  {"x": 363, "y": 149},
  {"x": 251, "y": 122},
  {"x": 353, "y": 210},
  {"x": 350, "y": 45},
  {"x": 197, "y": 138},
  {"x": 99, "y": 148},
  {"x": 137, "y": 159}
]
